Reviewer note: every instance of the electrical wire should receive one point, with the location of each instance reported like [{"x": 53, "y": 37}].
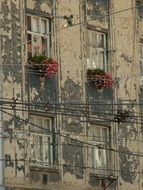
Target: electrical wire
[
  {"x": 73, "y": 139},
  {"x": 92, "y": 118},
  {"x": 83, "y": 108},
  {"x": 79, "y": 23},
  {"x": 13, "y": 100},
  {"x": 71, "y": 166},
  {"x": 126, "y": 171},
  {"x": 36, "y": 73},
  {"x": 68, "y": 107},
  {"x": 15, "y": 131}
]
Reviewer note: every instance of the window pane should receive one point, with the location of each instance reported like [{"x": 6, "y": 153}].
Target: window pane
[
  {"x": 104, "y": 135},
  {"x": 32, "y": 147},
  {"x": 29, "y": 46},
  {"x": 103, "y": 159},
  {"x": 44, "y": 46},
  {"x": 28, "y": 23},
  {"x": 35, "y": 25},
  {"x": 141, "y": 59},
  {"x": 36, "y": 45},
  {"x": 43, "y": 26},
  {"x": 32, "y": 128},
  {"x": 41, "y": 142},
  {"x": 96, "y": 155},
  {"x": 39, "y": 121},
  {"x": 93, "y": 50},
  {"x": 39, "y": 148},
  {"x": 96, "y": 50},
  {"x": 96, "y": 134},
  {"x": 47, "y": 124},
  {"x": 100, "y": 58},
  {"x": 47, "y": 148},
  {"x": 101, "y": 41},
  {"x": 100, "y": 158}
]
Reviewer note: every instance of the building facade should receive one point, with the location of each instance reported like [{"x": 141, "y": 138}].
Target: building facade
[{"x": 73, "y": 120}]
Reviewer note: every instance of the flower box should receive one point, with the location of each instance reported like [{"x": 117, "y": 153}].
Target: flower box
[
  {"x": 99, "y": 78},
  {"x": 44, "y": 66}
]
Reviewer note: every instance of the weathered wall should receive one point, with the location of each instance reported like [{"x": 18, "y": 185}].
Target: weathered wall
[
  {"x": 69, "y": 86},
  {"x": 16, "y": 142},
  {"x": 125, "y": 27},
  {"x": 13, "y": 34}
]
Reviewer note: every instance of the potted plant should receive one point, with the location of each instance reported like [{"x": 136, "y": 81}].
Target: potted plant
[
  {"x": 44, "y": 66},
  {"x": 99, "y": 78}
]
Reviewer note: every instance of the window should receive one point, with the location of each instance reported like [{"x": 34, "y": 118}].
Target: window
[
  {"x": 141, "y": 58},
  {"x": 96, "y": 50},
  {"x": 41, "y": 148},
  {"x": 139, "y": 8},
  {"x": 99, "y": 136},
  {"x": 37, "y": 36}
]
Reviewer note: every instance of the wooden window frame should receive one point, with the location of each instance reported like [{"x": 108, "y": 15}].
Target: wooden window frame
[
  {"x": 100, "y": 146},
  {"x": 34, "y": 135},
  {"x": 94, "y": 50},
  {"x": 39, "y": 35}
]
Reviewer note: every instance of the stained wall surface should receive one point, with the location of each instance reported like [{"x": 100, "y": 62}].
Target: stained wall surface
[{"x": 69, "y": 46}]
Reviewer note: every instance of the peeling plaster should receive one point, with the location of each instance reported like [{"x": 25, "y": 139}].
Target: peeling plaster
[
  {"x": 72, "y": 124},
  {"x": 97, "y": 8},
  {"x": 71, "y": 92},
  {"x": 73, "y": 157},
  {"x": 128, "y": 163}
]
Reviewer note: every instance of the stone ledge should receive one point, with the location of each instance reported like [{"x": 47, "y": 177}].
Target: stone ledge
[{"x": 44, "y": 168}]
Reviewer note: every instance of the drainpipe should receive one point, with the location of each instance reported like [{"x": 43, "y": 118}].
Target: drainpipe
[{"x": 2, "y": 187}]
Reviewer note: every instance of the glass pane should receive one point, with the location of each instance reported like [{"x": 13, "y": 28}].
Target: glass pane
[
  {"x": 29, "y": 46},
  {"x": 44, "y": 46},
  {"x": 97, "y": 135},
  {"x": 88, "y": 44},
  {"x": 28, "y": 23},
  {"x": 101, "y": 41},
  {"x": 47, "y": 149},
  {"x": 39, "y": 148},
  {"x": 141, "y": 59},
  {"x": 99, "y": 160},
  {"x": 43, "y": 26},
  {"x": 96, "y": 158},
  {"x": 47, "y": 124},
  {"x": 104, "y": 160},
  {"x": 33, "y": 147},
  {"x": 39, "y": 122},
  {"x": 104, "y": 135},
  {"x": 35, "y": 25},
  {"x": 93, "y": 50},
  {"x": 36, "y": 45},
  {"x": 93, "y": 158},
  {"x": 32, "y": 120},
  {"x": 100, "y": 58},
  {"x": 102, "y": 157}
]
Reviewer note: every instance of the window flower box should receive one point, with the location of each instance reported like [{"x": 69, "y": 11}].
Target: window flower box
[
  {"x": 44, "y": 66},
  {"x": 99, "y": 78}
]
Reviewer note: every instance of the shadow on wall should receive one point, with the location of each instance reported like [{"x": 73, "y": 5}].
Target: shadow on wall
[{"x": 41, "y": 89}]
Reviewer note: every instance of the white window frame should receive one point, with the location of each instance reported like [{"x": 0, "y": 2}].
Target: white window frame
[
  {"x": 39, "y": 33},
  {"x": 34, "y": 135},
  {"x": 96, "y": 163},
  {"x": 94, "y": 50}
]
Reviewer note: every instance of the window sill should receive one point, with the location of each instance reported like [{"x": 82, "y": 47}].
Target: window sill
[
  {"x": 43, "y": 168},
  {"x": 103, "y": 176}
]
